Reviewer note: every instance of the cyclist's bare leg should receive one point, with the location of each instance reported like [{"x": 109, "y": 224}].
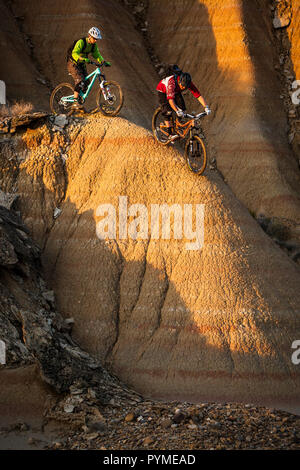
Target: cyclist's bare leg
[
  {"x": 170, "y": 130},
  {"x": 77, "y": 105}
]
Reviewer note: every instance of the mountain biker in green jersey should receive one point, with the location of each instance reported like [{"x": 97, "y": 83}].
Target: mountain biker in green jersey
[{"x": 78, "y": 58}]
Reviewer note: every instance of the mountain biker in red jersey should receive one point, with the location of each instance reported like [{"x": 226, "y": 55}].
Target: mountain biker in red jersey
[
  {"x": 78, "y": 58},
  {"x": 170, "y": 97}
]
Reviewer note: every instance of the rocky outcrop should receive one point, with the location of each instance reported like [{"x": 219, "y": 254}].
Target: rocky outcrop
[
  {"x": 282, "y": 13},
  {"x": 34, "y": 334},
  {"x": 10, "y": 124},
  {"x": 7, "y": 200}
]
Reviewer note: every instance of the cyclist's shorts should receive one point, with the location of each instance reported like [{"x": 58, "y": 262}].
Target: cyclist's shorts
[{"x": 78, "y": 72}]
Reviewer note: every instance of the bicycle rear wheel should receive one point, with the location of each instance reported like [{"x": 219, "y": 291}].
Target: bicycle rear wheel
[
  {"x": 57, "y": 104},
  {"x": 159, "y": 127},
  {"x": 111, "y": 105},
  {"x": 195, "y": 154}
]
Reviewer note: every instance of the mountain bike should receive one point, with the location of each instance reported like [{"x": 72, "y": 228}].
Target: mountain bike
[
  {"x": 195, "y": 150},
  {"x": 109, "y": 96}
]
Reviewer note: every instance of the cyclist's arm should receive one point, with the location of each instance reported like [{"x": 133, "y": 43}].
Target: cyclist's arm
[
  {"x": 97, "y": 55},
  {"x": 202, "y": 101},
  {"x": 194, "y": 90},
  {"x": 173, "y": 105}
]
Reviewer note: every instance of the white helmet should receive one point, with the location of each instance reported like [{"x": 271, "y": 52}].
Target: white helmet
[{"x": 95, "y": 33}]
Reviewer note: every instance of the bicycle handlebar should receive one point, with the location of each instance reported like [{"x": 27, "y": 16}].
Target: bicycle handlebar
[
  {"x": 197, "y": 116},
  {"x": 95, "y": 63}
]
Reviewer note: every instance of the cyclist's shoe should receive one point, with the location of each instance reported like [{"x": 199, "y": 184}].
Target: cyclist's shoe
[
  {"x": 77, "y": 107},
  {"x": 172, "y": 134}
]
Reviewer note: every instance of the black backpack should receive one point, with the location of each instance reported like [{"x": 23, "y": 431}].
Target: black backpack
[
  {"x": 172, "y": 69},
  {"x": 70, "y": 50}
]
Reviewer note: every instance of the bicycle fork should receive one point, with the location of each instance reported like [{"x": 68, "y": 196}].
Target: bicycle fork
[
  {"x": 105, "y": 90},
  {"x": 191, "y": 146}
]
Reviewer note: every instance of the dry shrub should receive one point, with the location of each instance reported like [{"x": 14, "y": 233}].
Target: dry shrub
[
  {"x": 21, "y": 108},
  {"x": 16, "y": 109}
]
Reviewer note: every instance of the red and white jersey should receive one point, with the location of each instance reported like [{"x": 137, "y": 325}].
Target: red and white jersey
[{"x": 170, "y": 87}]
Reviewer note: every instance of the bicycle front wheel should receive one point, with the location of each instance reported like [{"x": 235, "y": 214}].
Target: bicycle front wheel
[
  {"x": 195, "y": 154},
  {"x": 61, "y": 99},
  {"x": 111, "y": 103}
]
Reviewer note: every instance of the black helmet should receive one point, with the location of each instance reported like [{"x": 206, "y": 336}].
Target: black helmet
[{"x": 185, "y": 79}]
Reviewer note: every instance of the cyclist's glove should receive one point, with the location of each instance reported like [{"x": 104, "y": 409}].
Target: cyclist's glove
[
  {"x": 180, "y": 113},
  {"x": 207, "y": 110}
]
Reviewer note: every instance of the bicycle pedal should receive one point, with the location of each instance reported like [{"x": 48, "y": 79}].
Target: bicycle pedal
[{"x": 81, "y": 111}]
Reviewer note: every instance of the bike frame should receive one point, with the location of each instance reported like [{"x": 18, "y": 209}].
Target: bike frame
[
  {"x": 96, "y": 74},
  {"x": 181, "y": 132},
  {"x": 183, "y": 129}
]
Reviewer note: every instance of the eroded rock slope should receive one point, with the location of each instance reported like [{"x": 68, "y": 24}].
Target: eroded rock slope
[{"x": 217, "y": 322}]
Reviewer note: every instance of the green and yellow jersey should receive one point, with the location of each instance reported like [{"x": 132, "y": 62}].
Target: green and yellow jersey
[{"x": 82, "y": 50}]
